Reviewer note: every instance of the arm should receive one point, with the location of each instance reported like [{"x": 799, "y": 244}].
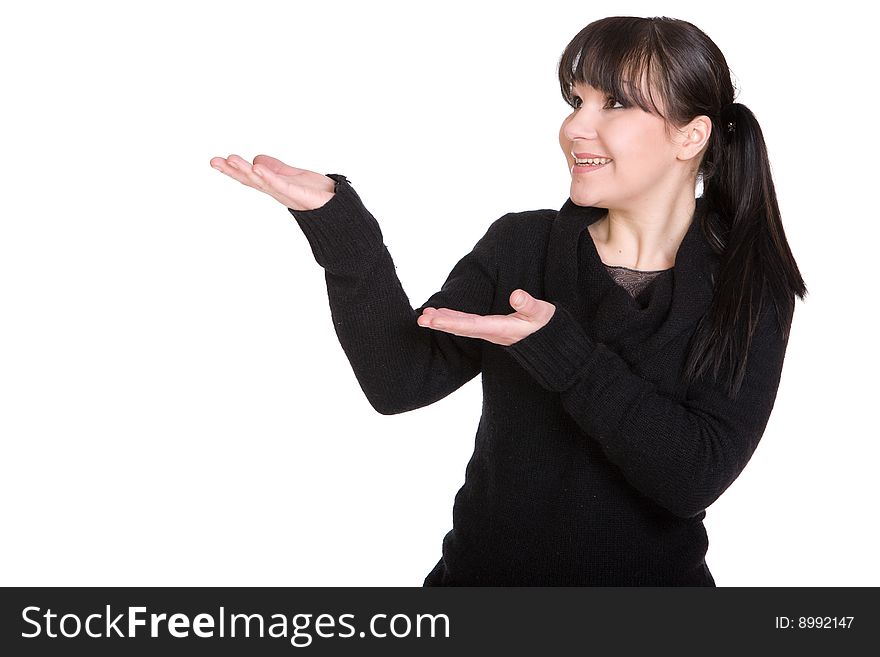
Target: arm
[
  {"x": 680, "y": 454},
  {"x": 399, "y": 365}
]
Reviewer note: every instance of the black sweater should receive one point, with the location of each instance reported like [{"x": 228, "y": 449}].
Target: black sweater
[{"x": 593, "y": 461}]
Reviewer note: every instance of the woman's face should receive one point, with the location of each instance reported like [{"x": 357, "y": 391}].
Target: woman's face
[{"x": 643, "y": 167}]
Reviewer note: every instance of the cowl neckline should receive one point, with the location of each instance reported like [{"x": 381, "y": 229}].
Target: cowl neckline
[{"x": 576, "y": 277}]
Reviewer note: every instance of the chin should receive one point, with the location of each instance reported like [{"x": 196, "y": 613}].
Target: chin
[{"x": 581, "y": 196}]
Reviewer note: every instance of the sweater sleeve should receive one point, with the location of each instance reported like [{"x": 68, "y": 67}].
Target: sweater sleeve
[
  {"x": 399, "y": 365},
  {"x": 682, "y": 454}
]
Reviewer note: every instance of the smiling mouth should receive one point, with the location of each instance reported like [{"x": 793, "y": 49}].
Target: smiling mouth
[
  {"x": 592, "y": 160},
  {"x": 581, "y": 169}
]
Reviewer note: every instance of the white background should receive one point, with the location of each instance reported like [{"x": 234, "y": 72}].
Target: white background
[{"x": 176, "y": 408}]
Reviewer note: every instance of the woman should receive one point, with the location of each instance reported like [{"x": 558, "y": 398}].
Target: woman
[{"x": 635, "y": 376}]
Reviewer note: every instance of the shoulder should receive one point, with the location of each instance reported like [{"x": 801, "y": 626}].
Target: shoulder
[
  {"x": 519, "y": 237},
  {"x": 528, "y": 225}
]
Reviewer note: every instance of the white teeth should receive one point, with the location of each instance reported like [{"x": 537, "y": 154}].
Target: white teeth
[{"x": 592, "y": 160}]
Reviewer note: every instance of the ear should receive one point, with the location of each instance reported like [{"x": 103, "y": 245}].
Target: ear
[{"x": 694, "y": 137}]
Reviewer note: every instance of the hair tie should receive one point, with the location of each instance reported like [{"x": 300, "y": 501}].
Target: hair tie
[{"x": 726, "y": 110}]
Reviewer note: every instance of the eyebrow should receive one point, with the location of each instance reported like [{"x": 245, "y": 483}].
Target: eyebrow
[{"x": 573, "y": 91}]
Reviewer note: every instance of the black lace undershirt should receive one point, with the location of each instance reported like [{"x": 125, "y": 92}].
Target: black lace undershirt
[{"x": 633, "y": 281}]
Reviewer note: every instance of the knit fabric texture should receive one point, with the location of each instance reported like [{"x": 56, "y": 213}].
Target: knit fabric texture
[{"x": 594, "y": 461}]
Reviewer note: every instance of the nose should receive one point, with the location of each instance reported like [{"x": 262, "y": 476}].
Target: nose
[{"x": 582, "y": 125}]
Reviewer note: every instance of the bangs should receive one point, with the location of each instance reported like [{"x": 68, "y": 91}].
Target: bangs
[{"x": 617, "y": 59}]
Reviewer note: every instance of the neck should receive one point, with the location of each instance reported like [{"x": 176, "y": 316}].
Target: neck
[{"x": 643, "y": 237}]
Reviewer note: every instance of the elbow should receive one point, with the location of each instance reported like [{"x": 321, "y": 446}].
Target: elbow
[
  {"x": 385, "y": 407},
  {"x": 683, "y": 505},
  {"x": 385, "y": 399},
  {"x": 687, "y": 511},
  {"x": 391, "y": 401},
  {"x": 390, "y": 405},
  {"x": 694, "y": 497},
  {"x": 712, "y": 471},
  {"x": 691, "y": 495},
  {"x": 387, "y": 410}
]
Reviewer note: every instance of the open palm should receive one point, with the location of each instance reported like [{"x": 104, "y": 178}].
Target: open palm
[
  {"x": 298, "y": 189},
  {"x": 531, "y": 315}
]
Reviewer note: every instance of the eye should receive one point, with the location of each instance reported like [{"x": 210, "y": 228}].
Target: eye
[{"x": 575, "y": 105}]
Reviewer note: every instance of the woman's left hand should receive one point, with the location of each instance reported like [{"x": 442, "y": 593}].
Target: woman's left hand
[{"x": 531, "y": 314}]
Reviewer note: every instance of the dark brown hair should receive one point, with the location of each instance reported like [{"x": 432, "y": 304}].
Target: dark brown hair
[{"x": 637, "y": 60}]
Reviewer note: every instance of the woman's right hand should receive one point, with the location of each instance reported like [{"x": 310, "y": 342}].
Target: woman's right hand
[{"x": 298, "y": 189}]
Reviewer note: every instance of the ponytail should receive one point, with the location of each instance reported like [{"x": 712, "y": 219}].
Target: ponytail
[{"x": 757, "y": 271}]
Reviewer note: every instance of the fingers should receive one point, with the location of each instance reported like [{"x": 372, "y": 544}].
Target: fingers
[
  {"x": 247, "y": 171},
  {"x": 277, "y": 166},
  {"x": 231, "y": 168},
  {"x": 457, "y": 322},
  {"x": 242, "y": 170},
  {"x": 268, "y": 181},
  {"x": 450, "y": 313}
]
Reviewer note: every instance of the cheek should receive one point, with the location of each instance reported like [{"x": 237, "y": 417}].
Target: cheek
[{"x": 638, "y": 149}]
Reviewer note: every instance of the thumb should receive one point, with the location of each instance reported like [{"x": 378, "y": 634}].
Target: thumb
[{"x": 521, "y": 300}]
